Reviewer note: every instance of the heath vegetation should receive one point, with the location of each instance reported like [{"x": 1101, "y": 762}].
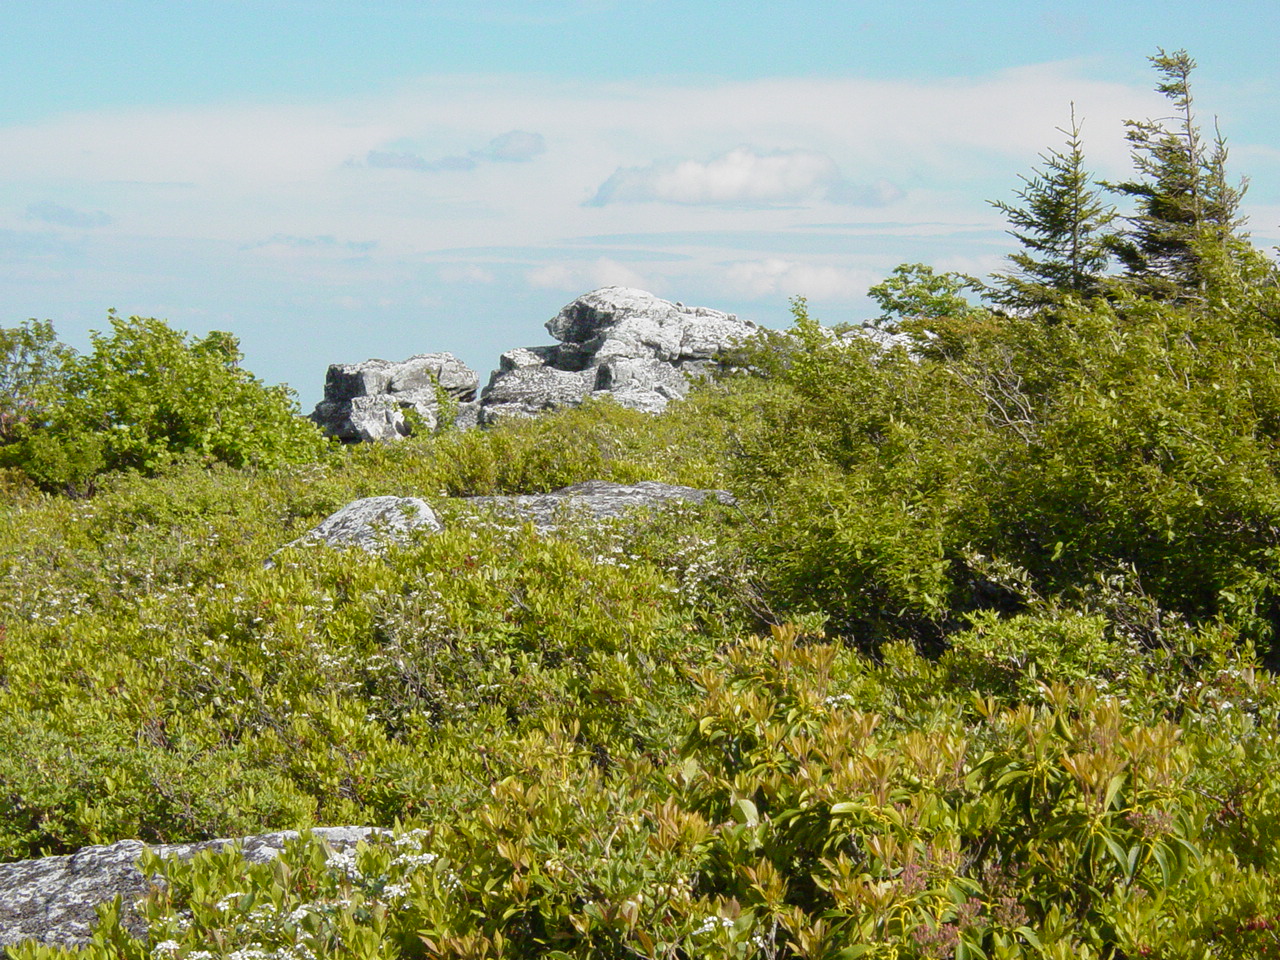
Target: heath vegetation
[{"x": 980, "y": 666}]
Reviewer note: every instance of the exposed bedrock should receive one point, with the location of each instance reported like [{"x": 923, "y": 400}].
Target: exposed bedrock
[
  {"x": 627, "y": 343},
  {"x": 368, "y": 400}
]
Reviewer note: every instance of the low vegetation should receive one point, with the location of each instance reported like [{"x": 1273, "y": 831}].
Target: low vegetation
[{"x": 980, "y": 666}]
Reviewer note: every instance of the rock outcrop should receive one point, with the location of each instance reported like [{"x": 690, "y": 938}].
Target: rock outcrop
[
  {"x": 367, "y": 401},
  {"x": 598, "y": 498},
  {"x": 618, "y": 341},
  {"x": 51, "y": 900},
  {"x": 884, "y": 338},
  {"x": 374, "y": 523},
  {"x": 370, "y": 524}
]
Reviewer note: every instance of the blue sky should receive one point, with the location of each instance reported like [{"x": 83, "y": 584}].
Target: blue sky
[{"x": 333, "y": 181}]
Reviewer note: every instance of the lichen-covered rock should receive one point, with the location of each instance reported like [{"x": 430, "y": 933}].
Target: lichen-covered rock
[
  {"x": 52, "y": 900},
  {"x": 370, "y": 524},
  {"x": 596, "y": 498},
  {"x": 530, "y": 389},
  {"x": 523, "y": 357},
  {"x": 624, "y": 322},
  {"x": 367, "y": 401},
  {"x": 638, "y": 348},
  {"x": 468, "y": 416},
  {"x": 642, "y": 384}
]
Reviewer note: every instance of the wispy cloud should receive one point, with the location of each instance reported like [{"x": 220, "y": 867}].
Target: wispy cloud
[
  {"x": 282, "y": 244},
  {"x": 775, "y": 276},
  {"x": 55, "y": 213},
  {"x": 464, "y": 273},
  {"x": 577, "y": 277},
  {"x": 514, "y": 146},
  {"x": 743, "y": 176}
]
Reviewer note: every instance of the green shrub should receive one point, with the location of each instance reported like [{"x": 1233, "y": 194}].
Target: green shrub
[
  {"x": 1141, "y": 436},
  {"x": 145, "y": 396}
]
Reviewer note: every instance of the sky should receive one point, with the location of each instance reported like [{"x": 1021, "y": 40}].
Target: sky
[{"x": 332, "y": 181}]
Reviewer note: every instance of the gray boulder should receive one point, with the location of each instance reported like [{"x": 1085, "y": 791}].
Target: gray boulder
[
  {"x": 371, "y": 524},
  {"x": 366, "y": 401},
  {"x": 596, "y": 498},
  {"x": 51, "y": 900},
  {"x": 643, "y": 384},
  {"x": 468, "y": 416},
  {"x": 883, "y": 337},
  {"x": 624, "y": 322},
  {"x": 529, "y": 389},
  {"x": 624, "y": 342}
]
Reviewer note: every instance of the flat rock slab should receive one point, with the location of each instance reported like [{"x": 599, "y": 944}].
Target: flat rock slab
[
  {"x": 599, "y": 498},
  {"x": 52, "y": 900},
  {"x": 370, "y": 524}
]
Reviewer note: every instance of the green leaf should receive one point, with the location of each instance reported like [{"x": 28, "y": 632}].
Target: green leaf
[
  {"x": 1029, "y": 935},
  {"x": 1118, "y": 852},
  {"x": 1113, "y": 789},
  {"x": 746, "y": 812}
]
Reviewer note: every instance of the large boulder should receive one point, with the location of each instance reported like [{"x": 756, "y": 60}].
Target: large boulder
[
  {"x": 618, "y": 341},
  {"x": 367, "y": 401},
  {"x": 51, "y": 900},
  {"x": 529, "y": 389},
  {"x": 370, "y": 524},
  {"x": 598, "y": 499}
]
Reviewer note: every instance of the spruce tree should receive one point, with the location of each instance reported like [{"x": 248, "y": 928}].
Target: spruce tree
[
  {"x": 1063, "y": 225},
  {"x": 1188, "y": 211}
]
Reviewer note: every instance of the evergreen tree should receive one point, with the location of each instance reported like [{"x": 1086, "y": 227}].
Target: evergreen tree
[
  {"x": 1062, "y": 223},
  {"x": 1188, "y": 212}
]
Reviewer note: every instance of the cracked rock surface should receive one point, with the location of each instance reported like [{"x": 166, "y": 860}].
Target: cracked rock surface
[
  {"x": 627, "y": 343},
  {"x": 599, "y": 498},
  {"x": 367, "y": 401},
  {"x": 52, "y": 900}
]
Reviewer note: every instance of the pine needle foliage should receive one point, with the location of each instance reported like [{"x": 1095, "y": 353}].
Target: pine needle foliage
[
  {"x": 1064, "y": 226},
  {"x": 1186, "y": 204}
]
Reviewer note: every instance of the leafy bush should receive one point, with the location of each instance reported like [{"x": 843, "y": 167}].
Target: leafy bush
[
  {"x": 144, "y": 396},
  {"x": 1044, "y": 546},
  {"x": 1140, "y": 437},
  {"x": 31, "y": 362},
  {"x": 821, "y": 805}
]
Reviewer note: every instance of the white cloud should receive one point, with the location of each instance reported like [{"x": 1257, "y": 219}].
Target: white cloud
[
  {"x": 464, "y": 273},
  {"x": 315, "y": 248},
  {"x": 325, "y": 242},
  {"x": 514, "y": 146},
  {"x": 741, "y": 176},
  {"x": 578, "y": 277},
  {"x": 774, "y": 276},
  {"x": 554, "y": 276},
  {"x": 260, "y": 170}
]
